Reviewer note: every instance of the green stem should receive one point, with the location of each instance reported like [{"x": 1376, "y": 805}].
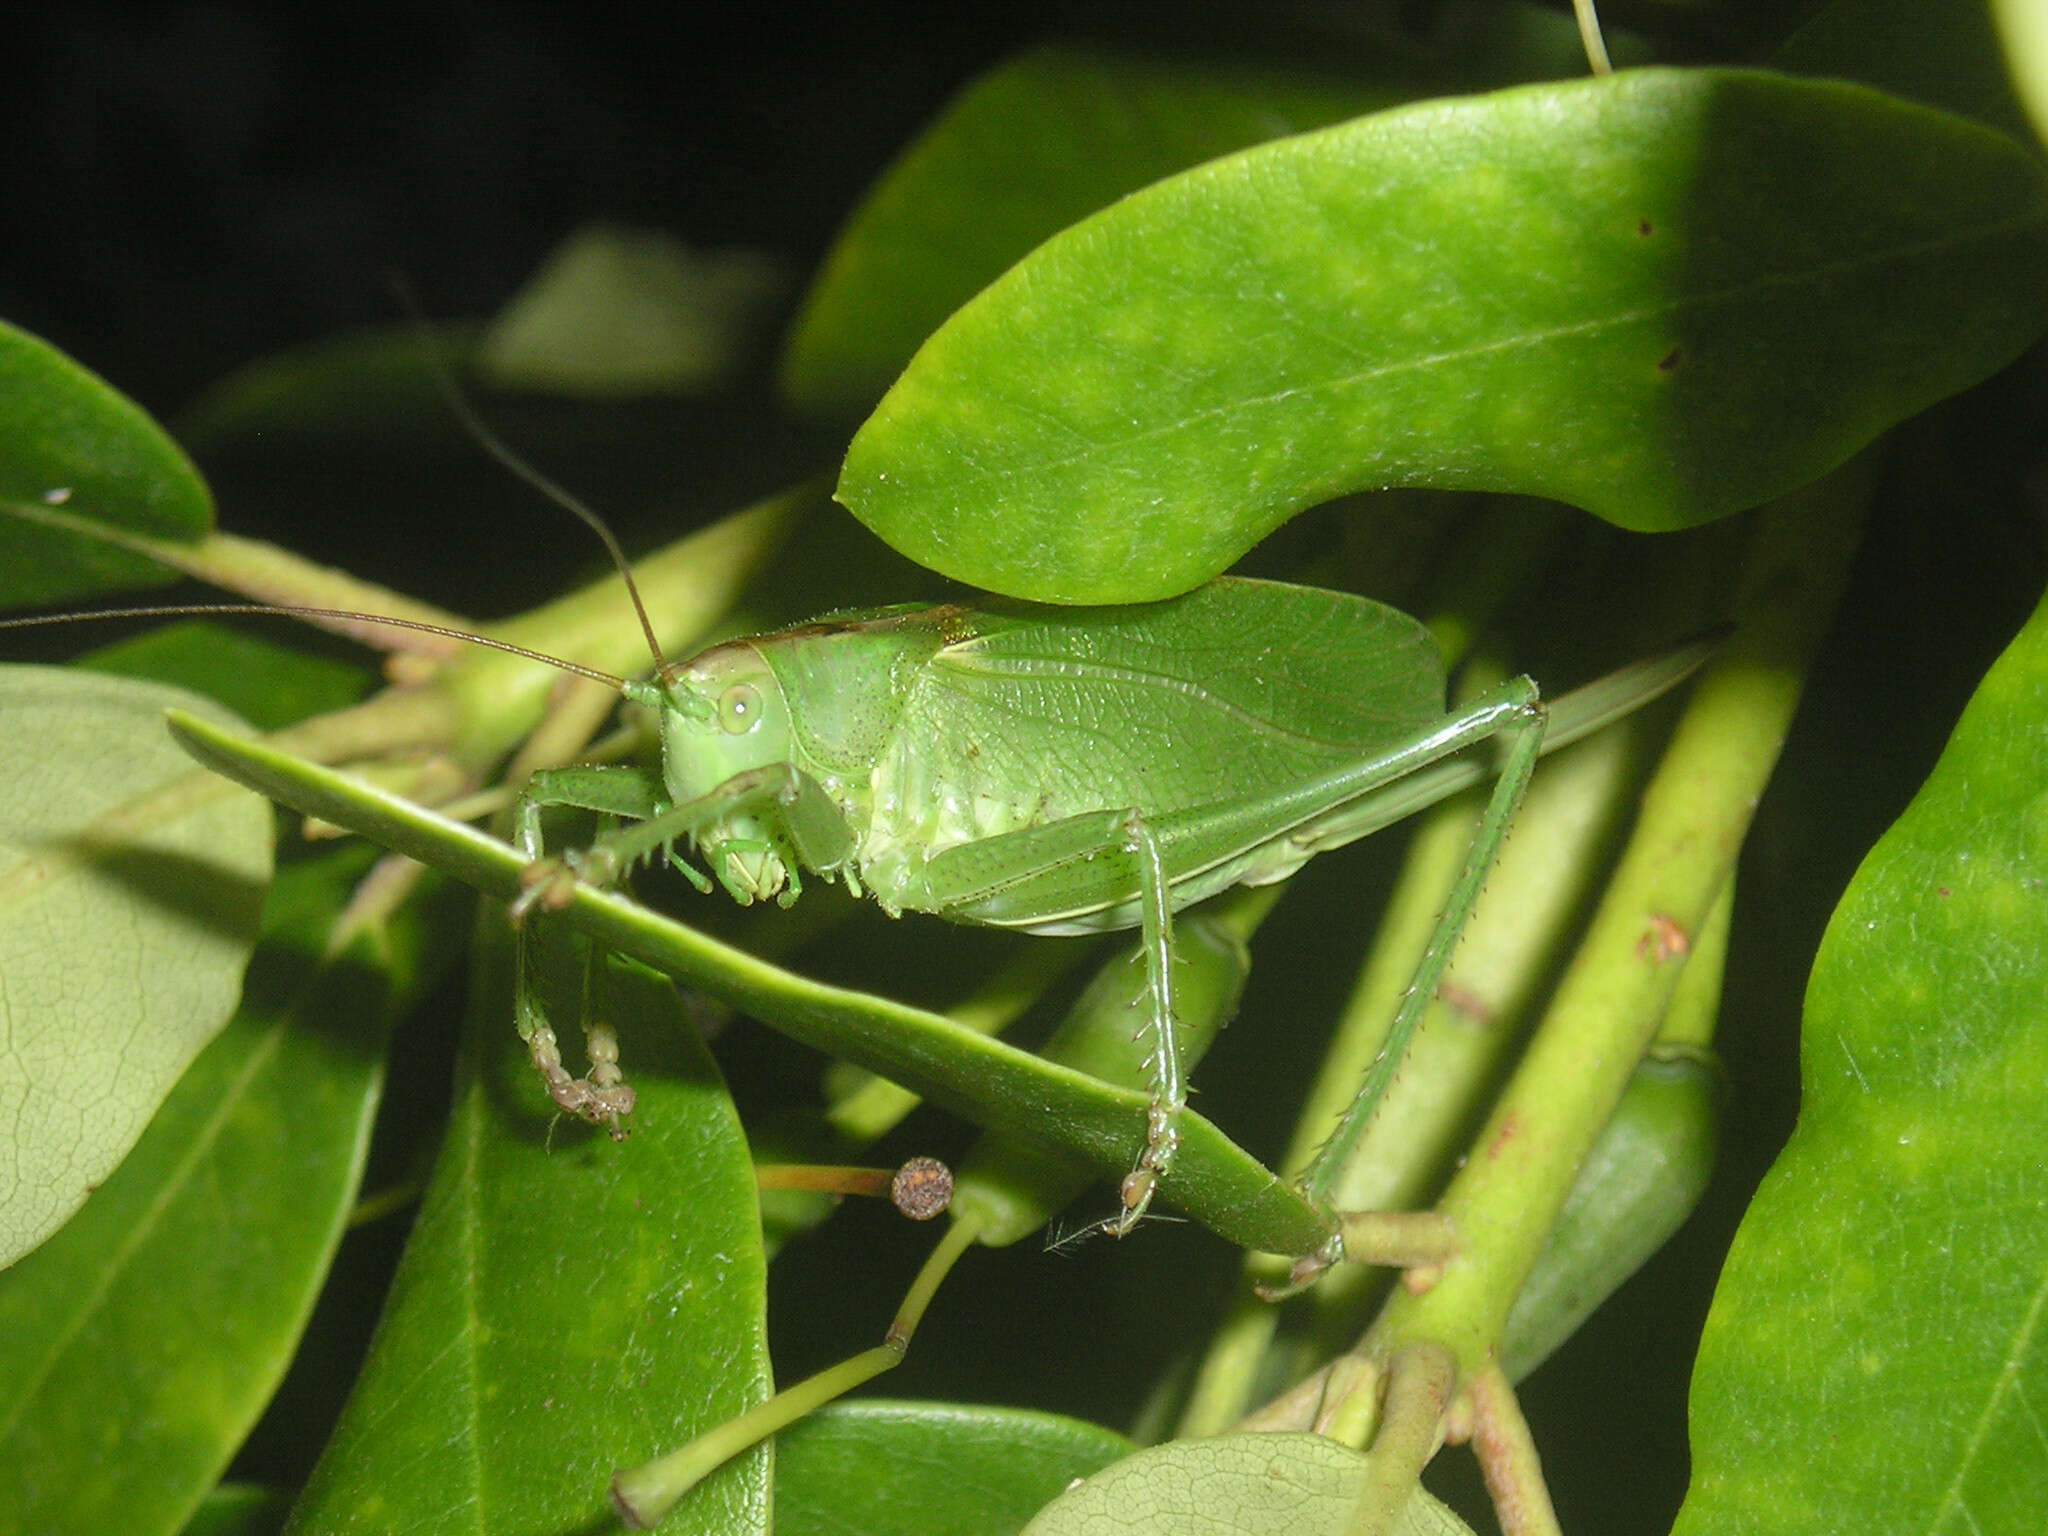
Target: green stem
[
  {"x": 1617, "y": 992},
  {"x": 1420, "y": 1380},
  {"x": 1508, "y": 1460},
  {"x": 644, "y": 1494}
]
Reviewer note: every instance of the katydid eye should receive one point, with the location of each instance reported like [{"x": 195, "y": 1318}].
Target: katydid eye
[{"x": 739, "y": 709}]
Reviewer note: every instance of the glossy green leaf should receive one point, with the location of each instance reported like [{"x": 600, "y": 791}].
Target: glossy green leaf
[
  {"x": 167, "y": 1309},
  {"x": 1057, "y": 133},
  {"x": 1876, "y": 1357},
  {"x": 616, "y": 312},
  {"x": 1234, "y": 1485},
  {"x": 566, "y": 1305},
  {"x": 929, "y": 1469},
  {"x": 1215, "y": 1181},
  {"x": 130, "y": 890},
  {"x": 1618, "y": 292},
  {"x": 74, "y": 449}
]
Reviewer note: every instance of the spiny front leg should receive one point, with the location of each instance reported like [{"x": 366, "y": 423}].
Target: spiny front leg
[
  {"x": 1169, "y": 1083},
  {"x": 601, "y": 1096}
]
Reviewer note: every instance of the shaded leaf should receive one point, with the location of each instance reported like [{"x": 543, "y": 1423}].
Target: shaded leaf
[
  {"x": 566, "y": 1305},
  {"x": 75, "y": 450},
  {"x": 130, "y": 891},
  {"x": 1233, "y": 1485},
  {"x": 1057, "y": 133},
  {"x": 373, "y": 382},
  {"x": 1875, "y": 1357},
  {"x": 238, "y": 1509},
  {"x": 267, "y": 684},
  {"x": 879, "y": 1468},
  {"x": 616, "y": 312},
  {"x": 1619, "y": 292},
  {"x": 1941, "y": 52},
  {"x": 165, "y": 1312}
]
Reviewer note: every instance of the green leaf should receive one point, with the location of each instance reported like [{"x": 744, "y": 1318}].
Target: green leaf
[
  {"x": 1940, "y": 52},
  {"x": 1876, "y": 1355},
  {"x": 1057, "y": 133},
  {"x": 1004, "y": 1089},
  {"x": 238, "y": 1509},
  {"x": 74, "y": 449},
  {"x": 130, "y": 891},
  {"x": 1620, "y": 293},
  {"x": 614, "y": 313},
  {"x": 566, "y": 1305},
  {"x": 171, "y": 1304},
  {"x": 1234, "y": 1485},
  {"x": 267, "y": 684},
  {"x": 929, "y": 1469},
  {"x": 377, "y": 382}
]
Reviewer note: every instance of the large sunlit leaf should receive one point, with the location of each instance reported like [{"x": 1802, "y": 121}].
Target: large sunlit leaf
[
  {"x": 1234, "y": 1485},
  {"x": 1623, "y": 293},
  {"x": 74, "y": 448},
  {"x": 928, "y": 1469},
  {"x": 566, "y": 1305},
  {"x": 165, "y": 1311},
  {"x": 1876, "y": 1358},
  {"x": 130, "y": 890},
  {"x": 1057, "y": 133}
]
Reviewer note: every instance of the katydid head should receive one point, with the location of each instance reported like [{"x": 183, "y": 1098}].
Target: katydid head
[{"x": 723, "y": 715}]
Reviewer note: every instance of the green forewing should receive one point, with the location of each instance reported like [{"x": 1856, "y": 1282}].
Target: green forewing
[{"x": 1231, "y": 690}]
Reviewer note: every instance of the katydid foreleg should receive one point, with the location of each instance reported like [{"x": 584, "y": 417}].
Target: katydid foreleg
[{"x": 602, "y": 1096}]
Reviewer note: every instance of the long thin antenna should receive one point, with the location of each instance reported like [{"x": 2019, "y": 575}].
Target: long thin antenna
[
  {"x": 499, "y": 449},
  {"x": 179, "y": 610}
]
